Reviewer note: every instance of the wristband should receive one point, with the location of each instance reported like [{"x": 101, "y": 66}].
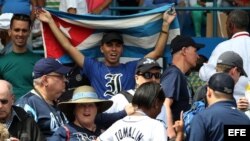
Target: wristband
[{"x": 165, "y": 32}]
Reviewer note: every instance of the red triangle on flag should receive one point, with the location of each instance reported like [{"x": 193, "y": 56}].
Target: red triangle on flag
[{"x": 77, "y": 33}]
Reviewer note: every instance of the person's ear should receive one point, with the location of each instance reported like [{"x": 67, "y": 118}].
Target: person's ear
[
  {"x": 209, "y": 92},
  {"x": 44, "y": 80},
  {"x": 101, "y": 49},
  {"x": 183, "y": 50}
]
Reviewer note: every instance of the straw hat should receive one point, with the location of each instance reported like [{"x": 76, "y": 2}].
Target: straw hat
[{"x": 83, "y": 94}]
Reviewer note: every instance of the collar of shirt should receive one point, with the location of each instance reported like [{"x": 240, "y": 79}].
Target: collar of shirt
[
  {"x": 243, "y": 33},
  {"x": 10, "y": 120}
]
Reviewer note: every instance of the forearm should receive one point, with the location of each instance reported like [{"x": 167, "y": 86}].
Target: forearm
[
  {"x": 34, "y": 5},
  {"x": 161, "y": 42},
  {"x": 107, "y": 119},
  {"x": 64, "y": 42},
  {"x": 77, "y": 56}
]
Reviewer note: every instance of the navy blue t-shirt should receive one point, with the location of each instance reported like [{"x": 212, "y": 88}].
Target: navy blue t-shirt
[
  {"x": 76, "y": 133},
  {"x": 48, "y": 117},
  {"x": 175, "y": 86},
  {"x": 208, "y": 125},
  {"x": 108, "y": 81}
]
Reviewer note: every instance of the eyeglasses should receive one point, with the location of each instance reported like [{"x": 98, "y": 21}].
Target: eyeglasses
[
  {"x": 149, "y": 75},
  {"x": 4, "y": 101}
]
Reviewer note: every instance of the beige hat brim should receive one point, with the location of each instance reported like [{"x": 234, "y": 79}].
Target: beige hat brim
[{"x": 68, "y": 107}]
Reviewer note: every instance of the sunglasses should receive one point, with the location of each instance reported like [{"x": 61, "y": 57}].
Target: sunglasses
[
  {"x": 149, "y": 75},
  {"x": 4, "y": 101}
]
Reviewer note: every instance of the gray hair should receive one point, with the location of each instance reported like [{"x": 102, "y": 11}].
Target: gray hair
[{"x": 37, "y": 81}]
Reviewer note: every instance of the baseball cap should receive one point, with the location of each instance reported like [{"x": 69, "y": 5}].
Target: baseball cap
[
  {"x": 111, "y": 36},
  {"x": 221, "y": 82},
  {"x": 47, "y": 65},
  {"x": 5, "y": 19},
  {"x": 183, "y": 41},
  {"x": 145, "y": 64},
  {"x": 233, "y": 59}
]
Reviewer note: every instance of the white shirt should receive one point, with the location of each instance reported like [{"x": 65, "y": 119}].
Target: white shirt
[
  {"x": 132, "y": 128},
  {"x": 80, "y": 5},
  {"x": 239, "y": 43},
  {"x": 120, "y": 102}
]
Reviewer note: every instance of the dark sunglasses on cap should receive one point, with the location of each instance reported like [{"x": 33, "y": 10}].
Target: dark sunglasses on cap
[
  {"x": 4, "y": 101},
  {"x": 149, "y": 75}
]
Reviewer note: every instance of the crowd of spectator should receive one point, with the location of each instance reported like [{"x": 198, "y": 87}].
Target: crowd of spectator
[{"x": 139, "y": 99}]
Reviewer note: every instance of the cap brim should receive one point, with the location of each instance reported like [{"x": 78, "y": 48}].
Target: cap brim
[
  {"x": 63, "y": 70},
  {"x": 148, "y": 67},
  {"x": 243, "y": 72}
]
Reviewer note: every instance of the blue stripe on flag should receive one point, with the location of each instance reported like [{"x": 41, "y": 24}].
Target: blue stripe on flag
[{"x": 132, "y": 30}]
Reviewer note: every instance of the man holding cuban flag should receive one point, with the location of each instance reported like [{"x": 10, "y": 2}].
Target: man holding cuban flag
[{"x": 110, "y": 76}]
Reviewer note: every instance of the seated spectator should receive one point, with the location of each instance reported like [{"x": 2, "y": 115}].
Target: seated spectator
[
  {"x": 40, "y": 102},
  {"x": 81, "y": 112},
  {"x": 17, "y": 121}
]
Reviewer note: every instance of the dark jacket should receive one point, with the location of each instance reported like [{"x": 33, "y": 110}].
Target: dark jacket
[{"x": 23, "y": 125}]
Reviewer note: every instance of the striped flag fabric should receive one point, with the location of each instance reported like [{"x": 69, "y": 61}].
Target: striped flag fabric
[{"x": 139, "y": 31}]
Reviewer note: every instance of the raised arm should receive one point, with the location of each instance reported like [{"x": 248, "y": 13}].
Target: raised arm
[
  {"x": 161, "y": 42},
  {"x": 76, "y": 55}
]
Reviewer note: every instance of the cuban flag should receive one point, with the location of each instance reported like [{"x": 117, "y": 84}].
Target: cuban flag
[{"x": 139, "y": 31}]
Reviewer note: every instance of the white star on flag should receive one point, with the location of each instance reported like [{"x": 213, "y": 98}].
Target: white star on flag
[{"x": 65, "y": 30}]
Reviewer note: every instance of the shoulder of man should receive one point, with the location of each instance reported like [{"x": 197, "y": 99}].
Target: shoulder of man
[{"x": 127, "y": 95}]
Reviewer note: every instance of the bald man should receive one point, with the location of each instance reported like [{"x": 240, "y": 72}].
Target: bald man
[{"x": 17, "y": 121}]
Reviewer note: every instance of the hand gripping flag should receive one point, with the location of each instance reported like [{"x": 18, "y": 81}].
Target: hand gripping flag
[{"x": 140, "y": 33}]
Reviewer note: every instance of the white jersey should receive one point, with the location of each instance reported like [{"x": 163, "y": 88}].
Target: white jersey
[
  {"x": 135, "y": 128},
  {"x": 120, "y": 101},
  {"x": 80, "y": 5},
  {"x": 239, "y": 43}
]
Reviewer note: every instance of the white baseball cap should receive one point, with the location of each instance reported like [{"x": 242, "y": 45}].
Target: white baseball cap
[{"x": 5, "y": 20}]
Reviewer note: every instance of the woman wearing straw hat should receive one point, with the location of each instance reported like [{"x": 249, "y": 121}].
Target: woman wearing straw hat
[{"x": 81, "y": 112}]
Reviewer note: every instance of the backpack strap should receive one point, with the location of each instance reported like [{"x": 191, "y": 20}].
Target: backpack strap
[
  {"x": 67, "y": 132},
  {"x": 128, "y": 96}
]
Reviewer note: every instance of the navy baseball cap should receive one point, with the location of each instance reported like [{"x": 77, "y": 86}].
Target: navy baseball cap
[
  {"x": 145, "y": 64},
  {"x": 233, "y": 59},
  {"x": 112, "y": 36},
  {"x": 183, "y": 41},
  {"x": 47, "y": 65},
  {"x": 221, "y": 82}
]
